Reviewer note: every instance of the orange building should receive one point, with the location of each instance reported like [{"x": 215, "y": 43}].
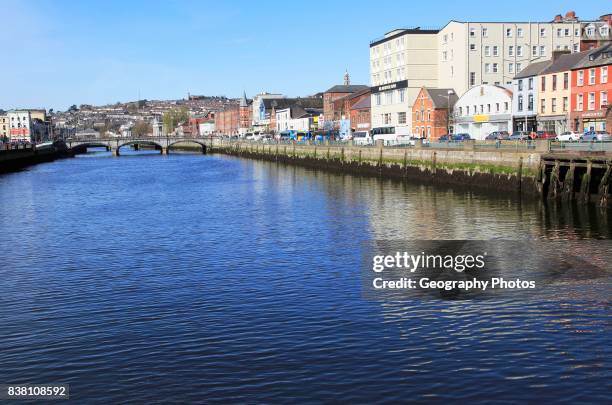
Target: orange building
[{"x": 430, "y": 112}]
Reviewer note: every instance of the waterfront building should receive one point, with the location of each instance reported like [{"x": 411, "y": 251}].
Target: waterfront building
[
  {"x": 360, "y": 115},
  {"x": 431, "y": 111},
  {"x": 590, "y": 90},
  {"x": 4, "y": 126},
  {"x": 331, "y": 115},
  {"x": 525, "y": 96},
  {"x": 20, "y": 125},
  {"x": 483, "y": 109},
  {"x": 227, "y": 120},
  {"x": 246, "y": 115},
  {"x": 554, "y": 90},
  {"x": 158, "y": 127},
  {"x": 596, "y": 33},
  {"x": 261, "y": 110},
  {"x": 401, "y": 62},
  {"x": 207, "y": 128},
  {"x": 297, "y": 118}
]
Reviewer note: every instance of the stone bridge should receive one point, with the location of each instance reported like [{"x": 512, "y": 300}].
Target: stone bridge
[{"x": 115, "y": 144}]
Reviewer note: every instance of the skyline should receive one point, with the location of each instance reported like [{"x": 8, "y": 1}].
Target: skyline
[{"x": 153, "y": 50}]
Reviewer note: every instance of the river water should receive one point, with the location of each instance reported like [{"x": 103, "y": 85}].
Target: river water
[{"x": 190, "y": 278}]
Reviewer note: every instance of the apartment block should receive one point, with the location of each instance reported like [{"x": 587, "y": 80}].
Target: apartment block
[{"x": 401, "y": 62}]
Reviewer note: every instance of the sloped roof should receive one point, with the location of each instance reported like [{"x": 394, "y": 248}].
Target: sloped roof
[
  {"x": 305, "y": 102},
  {"x": 565, "y": 62},
  {"x": 533, "y": 69},
  {"x": 351, "y": 88},
  {"x": 440, "y": 97},
  {"x": 364, "y": 103},
  {"x": 596, "y": 57}
]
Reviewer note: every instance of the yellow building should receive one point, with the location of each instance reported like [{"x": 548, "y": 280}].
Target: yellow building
[{"x": 554, "y": 87}]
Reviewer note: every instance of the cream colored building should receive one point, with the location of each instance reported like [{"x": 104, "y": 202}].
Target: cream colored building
[
  {"x": 401, "y": 62},
  {"x": 4, "y": 127},
  {"x": 474, "y": 53},
  {"x": 554, "y": 91}
]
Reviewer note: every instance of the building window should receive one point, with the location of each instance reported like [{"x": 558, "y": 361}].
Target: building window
[
  {"x": 590, "y": 32},
  {"x": 377, "y": 99},
  {"x": 467, "y": 110},
  {"x": 580, "y": 77},
  {"x": 520, "y": 85},
  {"x": 487, "y": 50},
  {"x": 559, "y": 32},
  {"x": 495, "y": 50},
  {"x": 402, "y": 95},
  {"x": 418, "y": 116},
  {"x": 576, "y": 48},
  {"x": 604, "y": 31},
  {"x": 444, "y": 56},
  {"x": 542, "y": 32},
  {"x": 389, "y": 97},
  {"x": 508, "y": 32},
  {"x": 506, "y": 106},
  {"x": 481, "y": 108},
  {"x": 519, "y": 32},
  {"x": 487, "y": 68},
  {"x": 530, "y": 102},
  {"x": 567, "y": 32},
  {"x": 472, "y": 78},
  {"x": 495, "y": 68},
  {"x": 554, "y": 82},
  {"x": 591, "y": 101},
  {"x": 530, "y": 86},
  {"x": 520, "y": 103},
  {"x": 472, "y": 32},
  {"x": 445, "y": 37},
  {"x": 489, "y": 108},
  {"x": 534, "y": 51},
  {"x": 553, "y": 106},
  {"x": 510, "y": 67},
  {"x": 401, "y": 117},
  {"x": 472, "y": 47},
  {"x": 543, "y": 88},
  {"x": 542, "y": 50},
  {"x": 542, "y": 106},
  {"x": 519, "y": 50},
  {"x": 580, "y": 102},
  {"x": 565, "y": 104},
  {"x": 460, "y": 110},
  {"x": 387, "y": 118},
  {"x": 577, "y": 32},
  {"x": 485, "y": 32},
  {"x": 604, "y": 74},
  {"x": 511, "y": 50},
  {"x": 565, "y": 80},
  {"x": 518, "y": 67},
  {"x": 591, "y": 76},
  {"x": 496, "y": 107},
  {"x": 603, "y": 99}
]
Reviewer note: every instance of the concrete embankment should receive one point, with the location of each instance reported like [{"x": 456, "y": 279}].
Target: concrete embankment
[
  {"x": 508, "y": 171},
  {"x": 16, "y": 159}
]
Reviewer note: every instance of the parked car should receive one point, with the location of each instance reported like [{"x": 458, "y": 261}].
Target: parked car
[
  {"x": 461, "y": 137},
  {"x": 444, "y": 138},
  {"x": 519, "y": 136},
  {"x": 546, "y": 135},
  {"x": 498, "y": 136},
  {"x": 568, "y": 136},
  {"x": 593, "y": 136}
]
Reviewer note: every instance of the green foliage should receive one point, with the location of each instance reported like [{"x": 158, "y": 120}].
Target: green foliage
[
  {"x": 172, "y": 118},
  {"x": 141, "y": 128}
]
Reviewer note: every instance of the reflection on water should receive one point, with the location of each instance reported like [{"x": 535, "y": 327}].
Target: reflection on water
[{"x": 133, "y": 278}]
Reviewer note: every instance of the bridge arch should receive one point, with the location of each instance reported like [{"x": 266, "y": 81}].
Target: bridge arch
[
  {"x": 140, "y": 142},
  {"x": 187, "y": 140},
  {"x": 82, "y": 146}
]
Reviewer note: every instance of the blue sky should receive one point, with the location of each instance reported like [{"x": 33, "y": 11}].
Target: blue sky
[{"x": 57, "y": 53}]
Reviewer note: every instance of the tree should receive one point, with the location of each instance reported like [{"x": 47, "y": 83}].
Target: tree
[
  {"x": 73, "y": 108},
  {"x": 173, "y": 117},
  {"x": 141, "y": 128}
]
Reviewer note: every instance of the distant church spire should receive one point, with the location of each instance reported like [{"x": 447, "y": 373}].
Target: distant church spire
[
  {"x": 347, "y": 78},
  {"x": 243, "y": 100}
]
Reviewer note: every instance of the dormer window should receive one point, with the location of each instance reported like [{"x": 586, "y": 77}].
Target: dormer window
[
  {"x": 604, "y": 31},
  {"x": 590, "y": 31}
]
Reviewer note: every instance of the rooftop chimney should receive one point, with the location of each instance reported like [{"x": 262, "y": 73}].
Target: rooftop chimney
[
  {"x": 557, "y": 53},
  {"x": 558, "y": 18}
]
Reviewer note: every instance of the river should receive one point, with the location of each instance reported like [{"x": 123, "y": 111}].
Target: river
[{"x": 193, "y": 278}]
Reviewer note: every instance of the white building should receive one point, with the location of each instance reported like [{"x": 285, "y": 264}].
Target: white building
[
  {"x": 401, "y": 62},
  {"x": 158, "y": 127},
  {"x": 296, "y": 118},
  {"x": 483, "y": 109},
  {"x": 474, "y": 53},
  {"x": 20, "y": 126},
  {"x": 525, "y": 97},
  {"x": 261, "y": 117},
  {"x": 206, "y": 128}
]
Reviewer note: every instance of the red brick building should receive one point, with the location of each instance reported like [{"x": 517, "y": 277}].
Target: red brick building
[
  {"x": 360, "y": 115},
  {"x": 590, "y": 91},
  {"x": 245, "y": 113},
  {"x": 227, "y": 121},
  {"x": 430, "y": 112},
  {"x": 331, "y": 111}
]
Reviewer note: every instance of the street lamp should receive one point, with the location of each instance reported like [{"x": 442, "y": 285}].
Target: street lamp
[{"x": 449, "y": 93}]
